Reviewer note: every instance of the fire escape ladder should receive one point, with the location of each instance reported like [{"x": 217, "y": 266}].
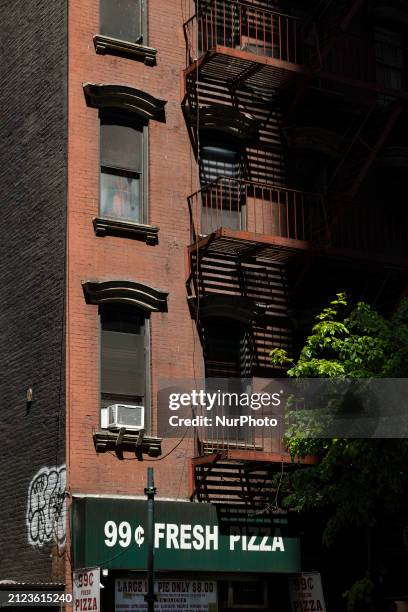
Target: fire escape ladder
[
  {"x": 197, "y": 257},
  {"x": 287, "y": 300},
  {"x": 284, "y": 285},
  {"x": 244, "y": 484},
  {"x": 196, "y": 273},
  {"x": 241, "y": 279}
]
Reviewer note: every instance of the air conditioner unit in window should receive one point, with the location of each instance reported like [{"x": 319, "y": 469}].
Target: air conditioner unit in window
[{"x": 118, "y": 416}]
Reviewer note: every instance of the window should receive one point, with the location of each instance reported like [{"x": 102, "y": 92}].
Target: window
[
  {"x": 122, "y": 169},
  {"x": 124, "y": 356},
  {"x": 248, "y": 594},
  {"x": 122, "y": 19},
  {"x": 223, "y": 205}
]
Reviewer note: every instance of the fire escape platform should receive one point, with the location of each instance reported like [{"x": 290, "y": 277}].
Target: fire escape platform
[
  {"x": 240, "y": 477},
  {"x": 267, "y": 74},
  {"x": 239, "y": 245},
  {"x": 236, "y": 66},
  {"x": 242, "y": 245},
  {"x": 231, "y": 454}
]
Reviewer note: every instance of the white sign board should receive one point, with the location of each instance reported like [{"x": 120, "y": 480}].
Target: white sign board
[
  {"x": 306, "y": 593},
  {"x": 86, "y": 590},
  {"x": 172, "y": 594}
]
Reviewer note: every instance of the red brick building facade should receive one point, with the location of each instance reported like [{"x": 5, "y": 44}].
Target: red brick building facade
[
  {"x": 199, "y": 178},
  {"x": 171, "y": 175}
]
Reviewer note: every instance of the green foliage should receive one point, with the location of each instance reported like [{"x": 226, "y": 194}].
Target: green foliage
[
  {"x": 345, "y": 345},
  {"x": 362, "y": 591},
  {"x": 355, "y": 479},
  {"x": 279, "y": 357}
]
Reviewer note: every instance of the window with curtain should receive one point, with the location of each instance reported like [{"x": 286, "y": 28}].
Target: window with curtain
[
  {"x": 121, "y": 184},
  {"x": 122, "y": 19},
  {"x": 124, "y": 356}
]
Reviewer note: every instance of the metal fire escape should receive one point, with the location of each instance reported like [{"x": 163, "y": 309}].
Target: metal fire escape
[{"x": 259, "y": 245}]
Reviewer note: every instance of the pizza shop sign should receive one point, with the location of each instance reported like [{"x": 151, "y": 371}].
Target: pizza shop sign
[
  {"x": 111, "y": 533},
  {"x": 171, "y": 593},
  {"x": 86, "y": 590},
  {"x": 306, "y": 593},
  {"x": 194, "y": 537}
]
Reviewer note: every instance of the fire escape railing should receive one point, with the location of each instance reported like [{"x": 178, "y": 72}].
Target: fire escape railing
[
  {"x": 213, "y": 438},
  {"x": 243, "y": 26},
  {"x": 257, "y": 208},
  {"x": 238, "y": 25}
]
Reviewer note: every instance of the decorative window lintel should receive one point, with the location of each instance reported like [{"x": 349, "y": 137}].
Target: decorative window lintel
[
  {"x": 125, "y": 292},
  {"x": 127, "y": 229},
  {"x": 238, "y": 308},
  {"x": 123, "y": 97},
  {"x": 115, "y": 46}
]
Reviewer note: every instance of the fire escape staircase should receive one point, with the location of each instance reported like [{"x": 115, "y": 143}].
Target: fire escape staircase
[
  {"x": 239, "y": 474},
  {"x": 244, "y": 479},
  {"x": 242, "y": 483}
]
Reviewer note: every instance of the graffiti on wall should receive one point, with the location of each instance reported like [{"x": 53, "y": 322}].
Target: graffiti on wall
[{"x": 46, "y": 507}]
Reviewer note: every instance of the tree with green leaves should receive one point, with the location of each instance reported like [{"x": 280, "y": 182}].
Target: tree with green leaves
[{"x": 357, "y": 483}]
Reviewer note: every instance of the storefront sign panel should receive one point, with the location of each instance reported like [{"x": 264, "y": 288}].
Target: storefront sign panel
[
  {"x": 86, "y": 590},
  {"x": 111, "y": 533},
  {"x": 306, "y": 593},
  {"x": 172, "y": 594}
]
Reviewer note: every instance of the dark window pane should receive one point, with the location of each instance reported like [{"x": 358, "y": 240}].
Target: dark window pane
[
  {"x": 248, "y": 593},
  {"x": 121, "y": 146},
  {"x": 120, "y": 196},
  {"x": 218, "y": 161},
  {"x": 221, "y": 206},
  {"x": 122, "y": 318},
  {"x": 123, "y": 362},
  {"x": 121, "y": 19},
  {"x": 228, "y": 350}
]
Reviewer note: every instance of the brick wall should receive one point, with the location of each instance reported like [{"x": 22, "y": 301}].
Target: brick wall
[
  {"x": 172, "y": 176},
  {"x": 32, "y": 238}
]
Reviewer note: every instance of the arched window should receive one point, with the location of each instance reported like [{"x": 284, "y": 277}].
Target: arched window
[
  {"x": 125, "y": 308},
  {"x": 124, "y": 356},
  {"x": 124, "y": 116}
]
